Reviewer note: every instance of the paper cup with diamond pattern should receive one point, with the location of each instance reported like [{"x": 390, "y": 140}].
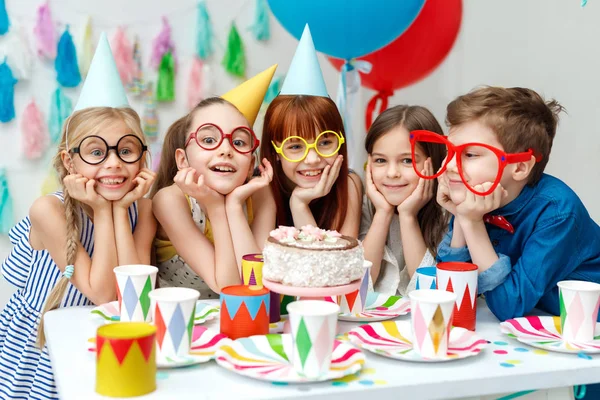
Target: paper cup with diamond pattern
[
  {"x": 579, "y": 304},
  {"x": 125, "y": 359},
  {"x": 313, "y": 327},
  {"x": 460, "y": 278},
  {"x": 134, "y": 282},
  {"x": 431, "y": 317},
  {"x": 354, "y": 302},
  {"x": 425, "y": 278},
  {"x": 173, "y": 315}
]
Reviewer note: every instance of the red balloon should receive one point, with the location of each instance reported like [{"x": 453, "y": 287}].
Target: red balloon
[{"x": 415, "y": 53}]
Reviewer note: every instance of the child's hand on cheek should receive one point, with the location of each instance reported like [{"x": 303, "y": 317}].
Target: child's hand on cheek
[
  {"x": 443, "y": 195},
  {"x": 143, "y": 182},
  {"x": 378, "y": 199},
  {"x": 196, "y": 188},
  {"x": 474, "y": 207},
  {"x": 240, "y": 194},
  {"x": 83, "y": 190},
  {"x": 420, "y": 196},
  {"x": 323, "y": 187}
]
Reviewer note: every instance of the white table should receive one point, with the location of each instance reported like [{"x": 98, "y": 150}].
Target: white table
[{"x": 67, "y": 331}]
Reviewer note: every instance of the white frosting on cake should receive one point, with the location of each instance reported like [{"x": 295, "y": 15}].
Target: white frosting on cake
[{"x": 312, "y": 257}]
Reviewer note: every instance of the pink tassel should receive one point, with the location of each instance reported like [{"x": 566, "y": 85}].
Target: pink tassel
[
  {"x": 35, "y": 137},
  {"x": 123, "y": 53},
  {"x": 45, "y": 33},
  {"x": 162, "y": 44},
  {"x": 195, "y": 87}
]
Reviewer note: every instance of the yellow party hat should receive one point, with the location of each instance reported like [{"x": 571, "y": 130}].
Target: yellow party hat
[{"x": 248, "y": 96}]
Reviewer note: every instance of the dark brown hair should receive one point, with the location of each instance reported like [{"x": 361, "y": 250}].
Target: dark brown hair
[
  {"x": 432, "y": 219},
  {"x": 175, "y": 139},
  {"x": 303, "y": 116},
  {"x": 520, "y": 118}
]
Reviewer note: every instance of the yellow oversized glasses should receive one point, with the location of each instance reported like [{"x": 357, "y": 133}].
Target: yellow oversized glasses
[{"x": 295, "y": 148}]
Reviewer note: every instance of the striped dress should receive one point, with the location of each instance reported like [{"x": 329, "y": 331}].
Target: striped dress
[{"x": 25, "y": 371}]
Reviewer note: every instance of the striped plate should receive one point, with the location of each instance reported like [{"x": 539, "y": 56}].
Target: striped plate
[
  {"x": 380, "y": 307},
  {"x": 393, "y": 339},
  {"x": 268, "y": 358},
  {"x": 109, "y": 312},
  {"x": 545, "y": 333}
]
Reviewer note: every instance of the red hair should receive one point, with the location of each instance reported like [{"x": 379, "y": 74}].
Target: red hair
[{"x": 304, "y": 116}]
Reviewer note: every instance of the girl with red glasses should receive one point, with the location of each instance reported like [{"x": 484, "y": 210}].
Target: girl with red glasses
[
  {"x": 401, "y": 224},
  {"x": 210, "y": 212}
]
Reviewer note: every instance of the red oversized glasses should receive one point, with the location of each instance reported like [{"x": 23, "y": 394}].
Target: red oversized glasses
[
  {"x": 472, "y": 156},
  {"x": 210, "y": 136}
]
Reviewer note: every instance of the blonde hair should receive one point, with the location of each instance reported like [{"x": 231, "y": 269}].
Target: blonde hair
[{"x": 81, "y": 124}]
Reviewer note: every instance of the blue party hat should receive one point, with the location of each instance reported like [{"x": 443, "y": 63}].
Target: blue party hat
[
  {"x": 304, "y": 76},
  {"x": 102, "y": 86}
]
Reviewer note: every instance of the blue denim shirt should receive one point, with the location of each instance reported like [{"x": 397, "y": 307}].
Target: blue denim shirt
[{"x": 555, "y": 239}]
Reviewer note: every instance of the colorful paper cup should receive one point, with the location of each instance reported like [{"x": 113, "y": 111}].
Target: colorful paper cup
[
  {"x": 313, "y": 325},
  {"x": 579, "y": 304},
  {"x": 252, "y": 265},
  {"x": 431, "y": 317},
  {"x": 173, "y": 315},
  {"x": 125, "y": 359},
  {"x": 355, "y": 301},
  {"x": 460, "y": 278},
  {"x": 134, "y": 282},
  {"x": 244, "y": 311},
  {"x": 426, "y": 278}
]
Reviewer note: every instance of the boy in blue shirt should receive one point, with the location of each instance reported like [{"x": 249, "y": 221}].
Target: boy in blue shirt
[{"x": 525, "y": 230}]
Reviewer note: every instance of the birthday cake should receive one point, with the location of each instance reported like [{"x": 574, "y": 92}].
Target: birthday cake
[{"x": 312, "y": 257}]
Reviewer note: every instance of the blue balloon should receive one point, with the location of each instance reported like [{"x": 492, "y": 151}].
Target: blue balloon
[{"x": 347, "y": 28}]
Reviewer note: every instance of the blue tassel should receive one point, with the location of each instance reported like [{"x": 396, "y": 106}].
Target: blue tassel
[
  {"x": 273, "y": 90},
  {"x": 261, "y": 28},
  {"x": 4, "y": 22},
  {"x": 7, "y": 218},
  {"x": 7, "y": 93},
  {"x": 583, "y": 3},
  {"x": 60, "y": 109},
  {"x": 204, "y": 34},
  {"x": 67, "y": 68}
]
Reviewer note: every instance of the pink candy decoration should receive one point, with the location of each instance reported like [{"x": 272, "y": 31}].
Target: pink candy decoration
[
  {"x": 35, "y": 138},
  {"x": 195, "y": 86},
  {"x": 123, "y": 53},
  {"x": 162, "y": 44},
  {"x": 45, "y": 33}
]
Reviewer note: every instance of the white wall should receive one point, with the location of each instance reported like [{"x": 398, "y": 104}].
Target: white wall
[{"x": 548, "y": 45}]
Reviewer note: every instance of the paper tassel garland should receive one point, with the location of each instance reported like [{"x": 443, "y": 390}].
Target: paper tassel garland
[
  {"x": 162, "y": 45},
  {"x": 7, "y": 93},
  {"x": 204, "y": 33},
  {"x": 86, "y": 47},
  {"x": 4, "y": 21},
  {"x": 34, "y": 135},
  {"x": 45, "y": 33},
  {"x": 261, "y": 28},
  {"x": 7, "y": 218},
  {"x": 15, "y": 47},
  {"x": 150, "y": 116},
  {"x": 234, "y": 60},
  {"x": 165, "y": 90},
  {"x": 67, "y": 69},
  {"x": 194, "y": 87},
  {"x": 273, "y": 90},
  {"x": 137, "y": 83},
  {"x": 60, "y": 108},
  {"x": 123, "y": 53}
]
